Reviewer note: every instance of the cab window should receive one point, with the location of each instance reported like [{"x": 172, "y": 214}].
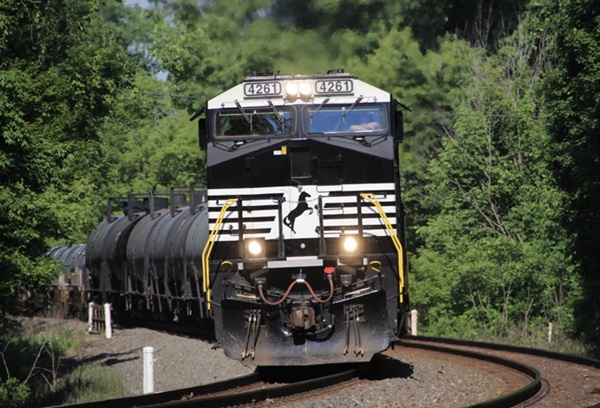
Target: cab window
[
  {"x": 253, "y": 122},
  {"x": 345, "y": 119}
]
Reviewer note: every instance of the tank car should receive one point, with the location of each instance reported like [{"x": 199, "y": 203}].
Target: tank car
[
  {"x": 145, "y": 261},
  {"x": 75, "y": 272},
  {"x": 69, "y": 292}
]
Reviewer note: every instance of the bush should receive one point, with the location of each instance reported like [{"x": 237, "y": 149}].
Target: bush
[
  {"x": 13, "y": 393},
  {"x": 33, "y": 375}
]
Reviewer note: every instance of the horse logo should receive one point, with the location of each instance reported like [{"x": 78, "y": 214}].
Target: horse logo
[{"x": 302, "y": 206}]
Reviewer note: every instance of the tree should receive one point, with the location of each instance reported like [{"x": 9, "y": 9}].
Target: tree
[
  {"x": 572, "y": 94},
  {"x": 329, "y": 17},
  {"x": 59, "y": 72},
  {"x": 481, "y": 23},
  {"x": 495, "y": 256},
  {"x": 148, "y": 143}
]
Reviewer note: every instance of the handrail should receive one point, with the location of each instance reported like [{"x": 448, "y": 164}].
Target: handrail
[
  {"x": 370, "y": 197},
  {"x": 208, "y": 249}
]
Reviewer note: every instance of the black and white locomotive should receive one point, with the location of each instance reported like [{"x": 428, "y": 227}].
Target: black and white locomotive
[{"x": 295, "y": 250}]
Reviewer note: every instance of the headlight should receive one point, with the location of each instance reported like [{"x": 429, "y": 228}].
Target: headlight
[
  {"x": 349, "y": 244},
  {"x": 291, "y": 90},
  {"x": 305, "y": 90},
  {"x": 255, "y": 248},
  {"x": 295, "y": 90}
]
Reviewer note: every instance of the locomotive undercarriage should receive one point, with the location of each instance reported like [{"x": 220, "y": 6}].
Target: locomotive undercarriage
[{"x": 303, "y": 315}]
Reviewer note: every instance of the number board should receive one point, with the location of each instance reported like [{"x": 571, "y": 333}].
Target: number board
[
  {"x": 262, "y": 89},
  {"x": 334, "y": 86}
]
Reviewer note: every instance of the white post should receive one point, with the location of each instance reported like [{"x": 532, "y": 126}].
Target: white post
[
  {"x": 107, "y": 321},
  {"x": 90, "y": 315},
  {"x": 148, "y": 370},
  {"x": 549, "y": 332},
  {"x": 412, "y": 322}
]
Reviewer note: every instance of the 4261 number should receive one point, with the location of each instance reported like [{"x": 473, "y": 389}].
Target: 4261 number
[
  {"x": 262, "y": 89},
  {"x": 334, "y": 86}
]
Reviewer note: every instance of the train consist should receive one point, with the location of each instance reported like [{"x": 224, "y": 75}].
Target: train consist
[{"x": 295, "y": 249}]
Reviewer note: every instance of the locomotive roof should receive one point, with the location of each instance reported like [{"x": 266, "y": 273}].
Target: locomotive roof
[
  {"x": 298, "y": 76},
  {"x": 328, "y": 88}
]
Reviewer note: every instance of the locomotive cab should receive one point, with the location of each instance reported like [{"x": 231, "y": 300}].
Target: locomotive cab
[{"x": 304, "y": 263}]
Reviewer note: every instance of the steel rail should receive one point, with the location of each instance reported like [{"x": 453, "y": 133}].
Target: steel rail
[
  {"x": 507, "y": 400},
  {"x": 569, "y": 358},
  {"x": 278, "y": 391},
  {"x": 193, "y": 397},
  {"x": 171, "y": 395}
]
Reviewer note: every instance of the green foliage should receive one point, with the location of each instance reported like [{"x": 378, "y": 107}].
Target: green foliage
[
  {"x": 481, "y": 23},
  {"x": 13, "y": 394},
  {"x": 495, "y": 255},
  {"x": 198, "y": 54},
  {"x": 33, "y": 375},
  {"x": 425, "y": 82},
  {"x": 59, "y": 72},
  {"x": 31, "y": 365},
  {"x": 331, "y": 16},
  {"x": 131, "y": 30},
  {"x": 572, "y": 95},
  {"x": 148, "y": 143}
]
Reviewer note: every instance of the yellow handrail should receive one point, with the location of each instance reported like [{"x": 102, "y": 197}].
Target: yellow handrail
[
  {"x": 392, "y": 232},
  {"x": 208, "y": 249}
]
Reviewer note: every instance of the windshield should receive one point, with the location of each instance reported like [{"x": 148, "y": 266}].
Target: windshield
[
  {"x": 345, "y": 119},
  {"x": 254, "y": 122}
]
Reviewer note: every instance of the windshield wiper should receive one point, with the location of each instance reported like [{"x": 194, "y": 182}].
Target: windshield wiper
[
  {"x": 345, "y": 112},
  {"x": 279, "y": 115},
  {"x": 243, "y": 112},
  {"x": 313, "y": 113}
]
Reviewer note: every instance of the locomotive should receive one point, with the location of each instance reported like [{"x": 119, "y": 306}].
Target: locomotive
[{"x": 295, "y": 249}]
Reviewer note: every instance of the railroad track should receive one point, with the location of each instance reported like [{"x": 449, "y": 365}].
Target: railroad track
[
  {"x": 529, "y": 377},
  {"x": 512, "y": 377},
  {"x": 248, "y": 389},
  {"x": 556, "y": 379},
  {"x": 520, "y": 377}
]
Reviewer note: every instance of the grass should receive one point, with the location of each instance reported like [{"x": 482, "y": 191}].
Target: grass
[
  {"x": 33, "y": 358},
  {"x": 86, "y": 383},
  {"x": 532, "y": 337},
  {"x": 559, "y": 342}
]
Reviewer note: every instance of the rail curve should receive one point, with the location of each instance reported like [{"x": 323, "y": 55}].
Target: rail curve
[
  {"x": 550, "y": 367},
  {"x": 507, "y": 400}
]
